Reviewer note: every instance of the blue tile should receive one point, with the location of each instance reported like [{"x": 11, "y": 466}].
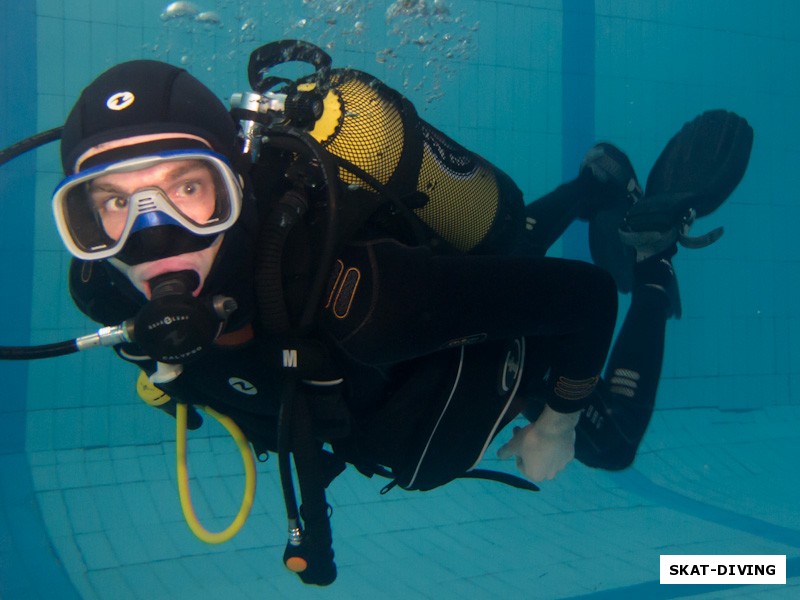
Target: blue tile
[
  {"x": 112, "y": 583},
  {"x": 96, "y": 550}
]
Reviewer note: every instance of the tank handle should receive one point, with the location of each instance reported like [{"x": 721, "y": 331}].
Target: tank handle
[{"x": 275, "y": 53}]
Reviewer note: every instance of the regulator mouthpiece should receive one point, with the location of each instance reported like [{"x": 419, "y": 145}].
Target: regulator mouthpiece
[
  {"x": 175, "y": 327},
  {"x": 173, "y": 284}
]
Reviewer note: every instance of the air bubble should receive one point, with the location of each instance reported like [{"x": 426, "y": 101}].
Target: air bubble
[
  {"x": 176, "y": 10},
  {"x": 209, "y": 17}
]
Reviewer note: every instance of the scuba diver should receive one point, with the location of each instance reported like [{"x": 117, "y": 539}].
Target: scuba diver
[{"x": 325, "y": 268}]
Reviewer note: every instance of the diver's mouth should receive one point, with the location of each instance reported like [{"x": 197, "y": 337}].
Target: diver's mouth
[
  {"x": 174, "y": 283},
  {"x": 164, "y": 266},
  {"x": 141, "y": 274}
]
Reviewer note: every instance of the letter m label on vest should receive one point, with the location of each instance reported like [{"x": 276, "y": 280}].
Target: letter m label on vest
[{"x": 290, "y": 358}]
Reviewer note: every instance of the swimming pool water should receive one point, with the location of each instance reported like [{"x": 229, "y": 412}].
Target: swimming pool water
[{"x": 88, "y": 502}]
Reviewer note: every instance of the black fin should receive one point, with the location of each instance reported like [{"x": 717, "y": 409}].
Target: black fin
[
  {"x": 706, "y": 160},
  {"x": 695, "y": 173}
]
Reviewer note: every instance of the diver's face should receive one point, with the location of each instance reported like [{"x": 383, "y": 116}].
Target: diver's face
[
  {"x": 188, "y": 184},
  {"x": 190, "y": 187}
]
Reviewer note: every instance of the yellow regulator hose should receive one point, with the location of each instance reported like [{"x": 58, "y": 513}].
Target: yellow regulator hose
[{"x": 183, "y": 477}]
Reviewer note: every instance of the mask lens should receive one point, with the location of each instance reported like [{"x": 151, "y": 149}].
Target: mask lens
[
  {"x": 85, "y": 227},
  {"x": 97, "y": 210}
]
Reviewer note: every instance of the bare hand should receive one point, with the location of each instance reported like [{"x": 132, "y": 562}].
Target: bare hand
[{"x": 542, "y": 449}]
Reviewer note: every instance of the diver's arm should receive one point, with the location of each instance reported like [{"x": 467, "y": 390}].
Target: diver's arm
[{"x": 393, "y": 303}]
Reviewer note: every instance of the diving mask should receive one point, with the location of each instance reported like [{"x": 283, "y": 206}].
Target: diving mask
[{"x": 98, "y": 210}]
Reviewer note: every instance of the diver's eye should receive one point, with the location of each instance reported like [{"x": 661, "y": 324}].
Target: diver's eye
[
  {"x": 114, "y": 204},
  {"x": 190, "y": 188},
  {"x": 188, "y": 191}
]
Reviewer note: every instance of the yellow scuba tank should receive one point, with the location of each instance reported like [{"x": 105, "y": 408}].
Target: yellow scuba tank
[
  {"x": 385, "y": 147},
  {"x": 461, "y": 197}
]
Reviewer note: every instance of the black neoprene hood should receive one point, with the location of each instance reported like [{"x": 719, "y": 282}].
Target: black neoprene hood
[{"x": 145, "y": 97}]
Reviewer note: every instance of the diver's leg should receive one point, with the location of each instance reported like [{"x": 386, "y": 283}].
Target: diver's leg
[
  {"x": 606, "y": 182},
  {"x": 410, "y": 303},
  {"x": 695, "y": 173},
  {"x": 613, "y": 424},
  {"x": 547, "y": 218}
]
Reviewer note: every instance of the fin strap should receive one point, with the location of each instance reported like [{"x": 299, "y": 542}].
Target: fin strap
[{"x": 700, "y": 241}]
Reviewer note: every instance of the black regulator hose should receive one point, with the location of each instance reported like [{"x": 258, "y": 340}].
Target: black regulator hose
[
  {"x": 309, "y": 553},
  {"x": 21, "y": 147},
  {"x": 107, "y": 336},
  {"x": 279, "y": 226},
  {"x": 268, "y": 282},
  {"x": 43, "y": 351},
  {"x": 173, "y": 327}
]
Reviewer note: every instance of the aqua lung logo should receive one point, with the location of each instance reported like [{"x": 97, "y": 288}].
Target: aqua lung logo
[
  {"x": 175, "y": 338},
  {"x": 243, "y": 386},
  {"x": 451, "y": 157},
  {"x": 167, "y": 321},
  {"x": 120, "y": 101},
  {"x": 512, "y": 365}
]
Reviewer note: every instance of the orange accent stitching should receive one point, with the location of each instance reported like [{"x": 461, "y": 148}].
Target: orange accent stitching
[
  {"x": 340, "y": 267},
  {"x": 352, "y": 292}
]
